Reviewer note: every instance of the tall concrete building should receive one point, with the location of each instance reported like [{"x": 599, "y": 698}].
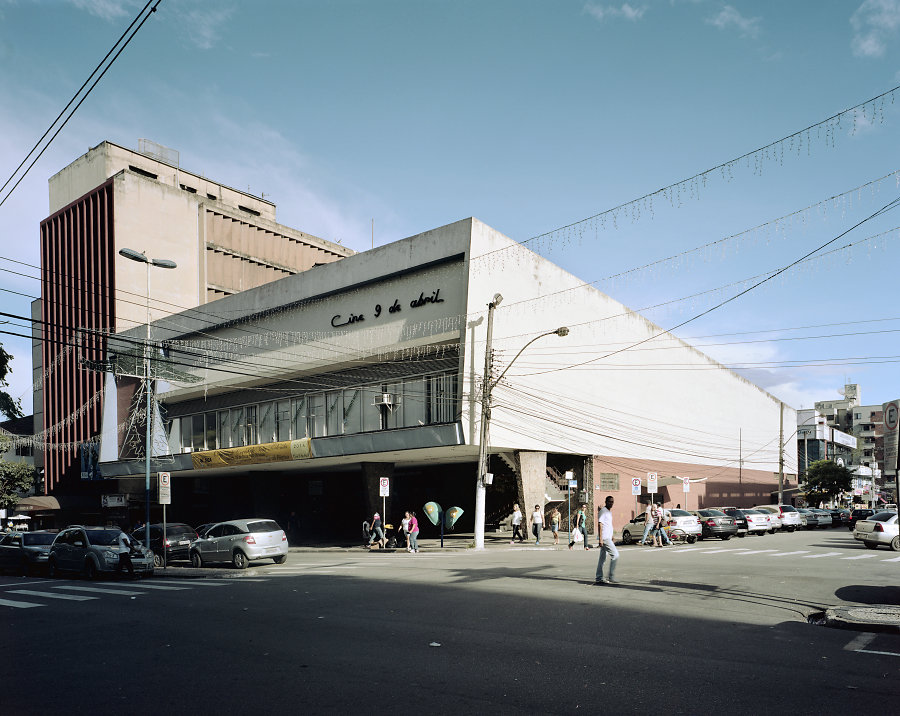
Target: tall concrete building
[{"x": 222, "y": 240}]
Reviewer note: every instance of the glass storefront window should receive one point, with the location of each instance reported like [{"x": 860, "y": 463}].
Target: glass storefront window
[
  {"x": 236, "y": 418},
  {"x": 211, "y": 442},
  {"x": 414, "y": 412},
  {"x": 316, "y": 414},
  {"x": 371, "y": 413},
  {"x": 283, "y": 421},
  {"x": 223, "y": 431},
  {"x": 335, "y": 412},
  {"x": 251, "y": 434},
  {"x": 352, "y": 411},
  {"x": 298, "y": 421},
  {"x": 267, "y": 423},
  {"x": 198, "y": 433}
]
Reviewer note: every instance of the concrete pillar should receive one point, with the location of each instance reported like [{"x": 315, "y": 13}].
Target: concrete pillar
[
  {"x": 372, "y": 472},
  {"x": 532, "y": 478}
]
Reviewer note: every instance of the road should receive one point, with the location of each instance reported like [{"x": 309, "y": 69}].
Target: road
[{"x": 507, "y": 630}]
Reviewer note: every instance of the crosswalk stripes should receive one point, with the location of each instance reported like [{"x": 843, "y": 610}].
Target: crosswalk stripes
[
  {"x": 19, "y": 605},
  {"x": 194, "y": 582},
  {"x": 100, "y": 590},
  {"x": 895, "y": 559},
  {"x": 862, "y": 556},
  {"x": 791, "y": 554},
  {"x": 823, "y": 554},
  {"x": 756, "y": 551},
  {"x": 52, "y": 595}
]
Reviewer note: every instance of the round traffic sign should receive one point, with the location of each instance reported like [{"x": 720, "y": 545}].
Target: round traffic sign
[
  {"x": 635, "y": 482},
  {"x": 891, "y": 416}
]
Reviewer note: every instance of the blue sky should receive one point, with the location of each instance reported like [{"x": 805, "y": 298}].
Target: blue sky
[{"x": 529, "y": 115}]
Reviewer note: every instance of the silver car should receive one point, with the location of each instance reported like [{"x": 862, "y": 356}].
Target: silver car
[
  {"x": 880, "y": 528},
  {"x": 93, "y": 551},
  {"x": 788, "y": 517},
  {"x": 240, "y": 542}
]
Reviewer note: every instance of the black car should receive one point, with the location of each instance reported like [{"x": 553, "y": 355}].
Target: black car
[
  {"x": 716, "y": 523},
  {"x": 178, "y": 541},
  {"x": 859, "y": 514},
  {"x": 839, "y": 517},
  {"x": 25, "y": 552},
  {"x": 739, "y": 519}
]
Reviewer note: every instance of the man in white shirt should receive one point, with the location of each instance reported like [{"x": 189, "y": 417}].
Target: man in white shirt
[{"x": 606, "y": 545}]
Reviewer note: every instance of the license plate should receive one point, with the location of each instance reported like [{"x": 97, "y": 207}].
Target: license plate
[
  {"x": 269, "y": 550},
  {"x": 184, "y": 541}
]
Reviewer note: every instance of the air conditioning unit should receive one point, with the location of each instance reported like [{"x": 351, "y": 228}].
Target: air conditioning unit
[{"x": 384, "y": 399}]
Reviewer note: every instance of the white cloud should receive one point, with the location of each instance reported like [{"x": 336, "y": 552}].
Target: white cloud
[
  {"x": 106, "y": 9},
  {"x": 874, "y": 23},
  {"x": 203, "y": 26},
  {"x": 728, "y": 18},
  {"x": 624, "y": 12}
]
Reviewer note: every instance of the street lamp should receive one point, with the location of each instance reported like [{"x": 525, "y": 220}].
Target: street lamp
[
  {"x": 488, "y": 386},
  {"x": 161, "y": 263}
]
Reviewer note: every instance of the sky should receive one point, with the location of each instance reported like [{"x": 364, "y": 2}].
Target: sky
[{"x": 532, "y": 116}]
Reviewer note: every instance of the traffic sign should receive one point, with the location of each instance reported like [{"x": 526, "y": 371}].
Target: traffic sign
[
  {"x": 165, "y": 488},
  {"x": 652, "y": 483},
  {"x": 635, "y": 486},
  {"x": 686, "y": 484},
  {"x": 384, "y": 487}
]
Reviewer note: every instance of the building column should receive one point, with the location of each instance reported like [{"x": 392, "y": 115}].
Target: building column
[
  {"x": 532, "y": 480},
  {"x": 372, "y": 472}
]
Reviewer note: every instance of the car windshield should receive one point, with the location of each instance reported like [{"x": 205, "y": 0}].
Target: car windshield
[
  {"x": 174, "y": 530},
  {"x": 679, "y": 513},
  {"x": 263, "y": 526},
  {"x": 712, "y": 513},
  {"x": 103, "y": 538},
  {"x": 788, "y": 508},
  {"x": 36, "y": 538},
  {"x": 882, "y": 517}
]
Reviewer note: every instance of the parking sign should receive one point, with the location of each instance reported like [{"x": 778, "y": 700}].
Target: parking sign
[
  {"x": 652, "y": 483},
  {"x": 165, "y": 488},
  {"x": 635, "y": 486},
  {"x": 384, "y": 487}
]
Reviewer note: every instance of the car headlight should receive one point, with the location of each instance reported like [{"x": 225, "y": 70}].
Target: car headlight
[{"x": 110, "y": 556}]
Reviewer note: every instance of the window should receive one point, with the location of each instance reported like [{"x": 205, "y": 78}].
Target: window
[
  {"x": 298, "y": 419},
  {"x": 223, "y": 430},
  {"x": 283, "y": 420},
  {"x": 267, "y": 423},
  {"x": 143, "y": 172},
  {"x": 352, "y": 411},
  {"x": 248, "y": 210},
  {"x": 251, "y": 434},
  {"x": 393, "y": 416},
  {"x": 236, "y": 418},
  {"x": 414, "y": 406},
  {"x": 187, "y": 188},
  {"x": 441, "y": 401},
  {"x": 197, "y": 433},
  {"x": 316, "y": 415},
  {"x": 211, "y": 441},
  {"x": 857, "y": 416},
  {"x": 334, "y": 412}
]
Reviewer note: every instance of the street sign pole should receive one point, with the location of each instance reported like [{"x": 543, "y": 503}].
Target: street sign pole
[
  {"x": 165, "y": 498},
  {"x": 570, "y": 478}
]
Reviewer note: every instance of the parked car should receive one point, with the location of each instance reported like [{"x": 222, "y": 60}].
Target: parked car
[
  {"x": 757, "y": 521},
  {"x": 634, "y": 530},
  {"x": 25, "y": 552},
  {"x": 860, "y": 513},
  {"x": 715, "y": 523},
  {"x": 880, "y": 528},
  {"x": 824, "y": 516},
  {"x": 840, "y": 517},
  {"x": 681, "y": 524},
  {"x": 739, "y": 519},
  {"x": 808, "y": 518},
  {"x": 240, "y": 542},
  {"x": 788, "y": 517},
  {"x": 178, "y": 541},
  {"x": 93, "y": 551}
]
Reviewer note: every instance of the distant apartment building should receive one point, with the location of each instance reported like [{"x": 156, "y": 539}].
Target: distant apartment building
[
  {"x": 222, "y": 240},
  {"x": 863, "y": 422}
]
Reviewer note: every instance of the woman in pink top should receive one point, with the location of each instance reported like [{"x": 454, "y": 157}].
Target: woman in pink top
[{"x": 413, "y": 532}]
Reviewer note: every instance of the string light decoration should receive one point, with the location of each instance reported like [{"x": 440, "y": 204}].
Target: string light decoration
[{"x": 869, "y": 112}]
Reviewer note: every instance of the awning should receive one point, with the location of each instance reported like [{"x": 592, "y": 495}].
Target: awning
[{"x": 39, "y": 503}]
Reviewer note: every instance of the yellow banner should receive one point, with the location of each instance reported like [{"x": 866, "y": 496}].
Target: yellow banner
[{"x": 253, "y": 454}]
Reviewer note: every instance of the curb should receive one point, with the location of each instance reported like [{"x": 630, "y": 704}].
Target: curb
[{"x": 873, "y": 618}]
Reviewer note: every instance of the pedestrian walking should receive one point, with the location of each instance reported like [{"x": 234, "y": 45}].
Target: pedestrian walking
[
  {"x": 663, "y": 521},
  {"x": 404, "y": 523},
  {"x": 125, "y": 547},
  {"x": 537, "y": 523},
  {"x": 649, "y": 522},
  {"x": 517, "y": 524},
  {"x": 555, "y": 518},
  {"x": 608, "y": 546},
  {"x": 579, "y": 524},
  {"x": 377, "y": 531},
  {"x": 413, "y": 525}
]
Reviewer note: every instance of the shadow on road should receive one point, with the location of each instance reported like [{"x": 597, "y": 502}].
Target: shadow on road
[{"x": 867, "y": 594}]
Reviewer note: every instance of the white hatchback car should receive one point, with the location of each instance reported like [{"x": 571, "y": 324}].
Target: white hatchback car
[
  {"x": 880, "y": 528},
  {"x": 788, "y": 517},
  {"x": 239, "y": 542}
]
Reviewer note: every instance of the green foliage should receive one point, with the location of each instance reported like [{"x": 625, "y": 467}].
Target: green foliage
[
  {"x": 9, "y": 407},
  {"x": 15, "y": 478},
  {"x": 825, "y": 480}
]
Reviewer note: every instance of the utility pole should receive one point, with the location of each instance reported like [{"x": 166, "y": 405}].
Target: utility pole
[
  {"x": 780, "y": 453},
  {"x": 480, "y": 489}
]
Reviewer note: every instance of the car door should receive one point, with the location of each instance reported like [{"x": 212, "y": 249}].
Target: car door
[
  {"x": 9, "y": 550},
  {"x": 209, "y": 543},
  {"x": 233, "y": 535}
]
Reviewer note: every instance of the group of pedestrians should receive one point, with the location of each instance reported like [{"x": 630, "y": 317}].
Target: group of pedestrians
[
  {"x": 409, "y": 530},
  {"x": 655, "y": 527},
  {"x": 537, "y": 524}
]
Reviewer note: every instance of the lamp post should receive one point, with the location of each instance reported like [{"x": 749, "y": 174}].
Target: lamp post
[
  {"x": 487, "y": 387},
  {"x": 161, "y": 263}
]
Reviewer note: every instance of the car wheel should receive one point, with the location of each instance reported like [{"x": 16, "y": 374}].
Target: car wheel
[
  {"x": 742, "y": 534},
  {"x": 157, "y": 560},
  {"x": 239, "y": 560},
  {"x": 895, "y": 543},
  {"x": 871, "y": 545},
  {"x": 196, "y": 560},
  {"x": 725, "y": 538},
  {"x": 626, "y": 537},
  {"x": 280, "y": 559},
  {"x": 790, "y": 529},
  {"x": 692, "y": 539},
  {"x": 90, "y": 570}
]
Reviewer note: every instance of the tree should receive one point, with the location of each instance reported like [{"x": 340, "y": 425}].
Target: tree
[
  {"x": 9, "y": 406},
  {"x": 825, "y": 480},
  {"x": 16, "y": 478}
]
